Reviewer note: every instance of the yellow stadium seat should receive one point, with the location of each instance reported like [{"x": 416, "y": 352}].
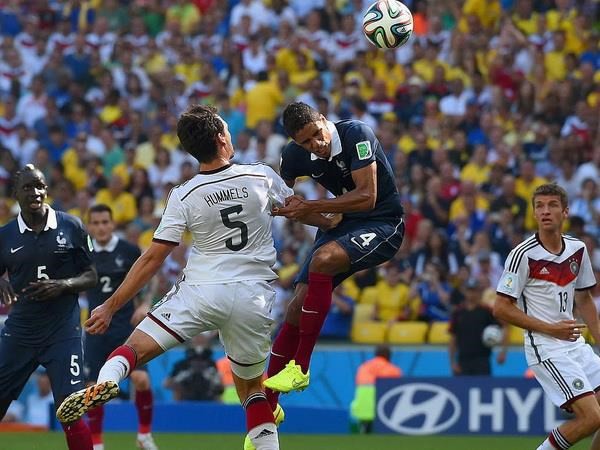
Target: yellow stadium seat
[
  {"x": 407, "y": 333},
  {"x": 438, "y": 333},
  {"x": 369, "y": 295},
  {"x": 515, "y": 335},
  {"x": 363, "y": 312},
  {"x": 369, "y": 332}
]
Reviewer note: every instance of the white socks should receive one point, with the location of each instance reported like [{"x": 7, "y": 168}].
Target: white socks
[
  {"x": 546, "y": 445},
  {"x": 115, "y": 369},
  {"x": 264, "y": 437}
]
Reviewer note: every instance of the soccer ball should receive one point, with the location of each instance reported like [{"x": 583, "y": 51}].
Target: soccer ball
[
  {"x": 492, "y": 335},
  {"x": 387, "y": 24}
]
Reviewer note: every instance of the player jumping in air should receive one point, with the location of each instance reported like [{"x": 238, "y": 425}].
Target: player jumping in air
[
  {"x": 225, "y": 284},
  {"x": 545, "y": 278},
  {"x": 347, "y": 159}
]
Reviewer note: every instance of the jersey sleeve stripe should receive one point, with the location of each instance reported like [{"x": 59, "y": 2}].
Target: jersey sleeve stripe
[
  {"x": 510, "y": 297},
  {"x": 586, "y": 288},
  {"x": 163, "y": 241},
  {"x": 515, "y": 262}
]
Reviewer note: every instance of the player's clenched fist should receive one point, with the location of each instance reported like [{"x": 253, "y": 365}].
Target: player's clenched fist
[
  {"x": 295, "y": 208},
  {"x": 7, "y": 294}
]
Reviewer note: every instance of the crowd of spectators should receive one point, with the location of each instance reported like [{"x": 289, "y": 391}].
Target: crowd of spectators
[{"x": 489, "y": 99}]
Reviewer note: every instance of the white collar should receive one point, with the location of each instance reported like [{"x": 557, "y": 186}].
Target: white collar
[
  {"x": 336, "y": 143},
  {"x": 51, "y": 223},
  {"x": 109, "y": 247}
]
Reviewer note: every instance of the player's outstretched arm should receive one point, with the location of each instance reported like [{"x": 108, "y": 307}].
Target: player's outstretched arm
[
  {"x": 138, "y": 276},
  {"x": 506, "y": 310},
  {"x": 43, "y": 290},
  {"x": 587, "y": 310}
]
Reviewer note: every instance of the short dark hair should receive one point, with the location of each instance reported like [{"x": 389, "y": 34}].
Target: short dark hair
[
  {"x": 384, "y": 351},
  {"x": 25, "y": 169},
  {"x": 551, "y": 189},
  {"x": 100, "y": 208},
  {"x": 197, "y": 130},
  {"x": 297, "y": 115}
]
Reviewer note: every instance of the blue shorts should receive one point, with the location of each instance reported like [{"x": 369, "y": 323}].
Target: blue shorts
[
  {"x": 63, "y": 361},
  {"x": 367, "y": 243},
  {"x": 97, "y": 350}
]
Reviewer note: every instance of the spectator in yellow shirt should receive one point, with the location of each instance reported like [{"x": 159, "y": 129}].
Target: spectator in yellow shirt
[
  {"x": 263, "y": 101},
  {"x": 393, "y": 301},
  {"x": 527, "y": 182},
  {"x": 554, "y": 61},
  {"x": 120, "y": 201},
  {"x": 469, "y": 198},
  {"x": 186, "y": 13},
  {"x": 477, "y": 169}
]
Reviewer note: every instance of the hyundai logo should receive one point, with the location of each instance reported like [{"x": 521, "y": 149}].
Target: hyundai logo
[{"x": 418, "y": 409}]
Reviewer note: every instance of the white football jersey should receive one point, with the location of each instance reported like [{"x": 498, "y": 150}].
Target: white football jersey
[
  {"x": 227, "y": 212},
  {"x": 544, "y": 286}
]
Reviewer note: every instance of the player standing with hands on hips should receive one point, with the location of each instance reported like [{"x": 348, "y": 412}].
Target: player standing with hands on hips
[
  {"x": 545, "y": 278},
  {"x": 345, "y": 158},
  {"x": 225, "y": 284},
  {"x": 47, "y": 256}
]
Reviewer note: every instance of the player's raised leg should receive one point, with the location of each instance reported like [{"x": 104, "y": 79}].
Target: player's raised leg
[
  {"x": 286, "y": 343},
  {"x": 138, "y": 349},
  {"x": 327, "y": 261},
  {"x": 144, "y": 405}
]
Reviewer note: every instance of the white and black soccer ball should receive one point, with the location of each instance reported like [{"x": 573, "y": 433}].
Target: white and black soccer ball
[
  {"x": 492, "y": 335},
  {"x": 388, "y": 24}
]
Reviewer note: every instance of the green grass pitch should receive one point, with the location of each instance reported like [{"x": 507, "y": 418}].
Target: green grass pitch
[{"x": 180, "y": 441}]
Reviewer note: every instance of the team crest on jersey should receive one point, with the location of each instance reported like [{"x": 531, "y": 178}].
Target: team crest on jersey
[
  {"x": 342, "y": 165},
  {"x": 578, "y": 384},
  {"x": 363, "y": 149},
  {"x": 508, "y": 282},
  {"x": 119, "y": 261},
  {"x": 574, "y": 267},
  {"x": 61, "y": 242}
]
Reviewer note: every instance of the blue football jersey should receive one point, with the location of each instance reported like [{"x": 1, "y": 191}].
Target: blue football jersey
[
  {"x": 62, "y": 250},
  {"x": 354, "y": 147},
  {"x": 112, "y": 264}
]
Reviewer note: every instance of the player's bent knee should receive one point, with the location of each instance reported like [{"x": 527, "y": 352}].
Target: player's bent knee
[
  {"x": 330, "y": 259},
  {"x": 145, "y": 345},
  {"x": 245, "y": 388}
]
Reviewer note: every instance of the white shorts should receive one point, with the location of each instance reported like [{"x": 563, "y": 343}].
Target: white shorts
[
  {"x": 567, "y": 377},
  {"x": 240, "y": 311}
]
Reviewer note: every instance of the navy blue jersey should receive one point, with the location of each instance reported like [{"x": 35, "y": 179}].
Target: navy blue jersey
[
  {"x": 62, "y": 250},
  {"x": 112, "y": 264},
  {"x": 357, "y": 147}
]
